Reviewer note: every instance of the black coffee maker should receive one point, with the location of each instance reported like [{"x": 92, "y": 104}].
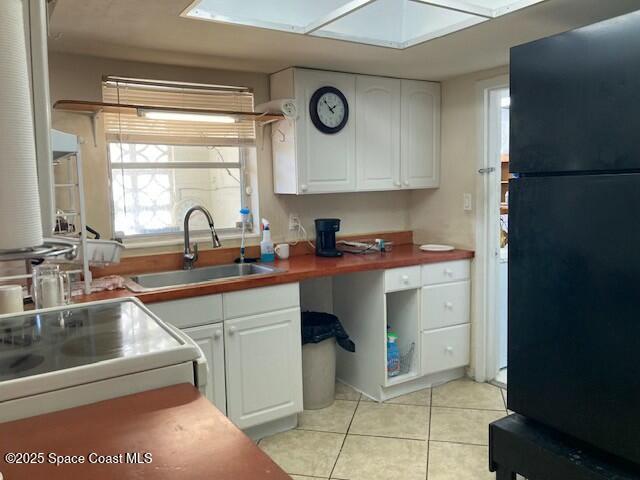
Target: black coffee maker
[{"x": 326, "y": 229}]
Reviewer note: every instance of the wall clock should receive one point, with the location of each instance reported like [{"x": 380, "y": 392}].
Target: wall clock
[{"x": 329, "y": 110}]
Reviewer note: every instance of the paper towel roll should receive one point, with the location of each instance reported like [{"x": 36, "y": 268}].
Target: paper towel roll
[
  {"x": 20, "y": 225},
  {"x": 11, "y": 299},
  {"x": 286, "y": 106}
]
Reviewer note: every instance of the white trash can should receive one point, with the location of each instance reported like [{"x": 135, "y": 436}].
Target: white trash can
[{"x": 319, "y": 374}]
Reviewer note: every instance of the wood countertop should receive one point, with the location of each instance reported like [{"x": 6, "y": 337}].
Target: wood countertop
[
  {"x": 188, "y": 438},
  {"x": 295, "y": 269}
]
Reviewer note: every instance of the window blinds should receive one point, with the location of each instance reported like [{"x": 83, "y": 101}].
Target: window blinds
[{"x": 133, "y": 128}]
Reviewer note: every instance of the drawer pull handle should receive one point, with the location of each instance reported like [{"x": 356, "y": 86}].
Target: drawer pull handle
[
  {"x": 448, "y": 305},
  {"x": 405, "y": 279},
  {"x": 448, "y": 271},
  {"x": 232, "y": 330},
  {"x": 449, "y": 349},
  {"x": 217, "y": 334}
]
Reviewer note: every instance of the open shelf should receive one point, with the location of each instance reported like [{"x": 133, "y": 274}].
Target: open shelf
[
  {"x": 403, "y": 317},
  {"x": 81, "y": 106}
]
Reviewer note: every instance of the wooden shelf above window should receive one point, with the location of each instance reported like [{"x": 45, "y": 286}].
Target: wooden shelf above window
[{"x": 81, "y": 106}]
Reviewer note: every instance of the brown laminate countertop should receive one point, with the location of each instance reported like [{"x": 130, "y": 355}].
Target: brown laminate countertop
[
  {"x": 188, "y": 438},
  {"x": 296, "y": 269}
]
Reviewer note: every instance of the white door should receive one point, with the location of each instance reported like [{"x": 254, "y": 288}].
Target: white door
[
  {"x": 210, "y": 338},
  {"x": 378, "y": 133},
  {"x": 264, "y": 367},
  {"x": 420, "y": 134},
  {"x": 326, "y": 162}
]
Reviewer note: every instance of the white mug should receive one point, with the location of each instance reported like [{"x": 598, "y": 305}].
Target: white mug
[
  {"x": 11, "y": 299},
  {"x": 282, "y": 250}
]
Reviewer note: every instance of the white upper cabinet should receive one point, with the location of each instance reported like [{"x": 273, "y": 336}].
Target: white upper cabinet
[
  {"x": 389, "y": 142},
  {"x": 378, "y": 133},
  {"x": 324, "y": 162},
  {"x": 420, "y": 134}
]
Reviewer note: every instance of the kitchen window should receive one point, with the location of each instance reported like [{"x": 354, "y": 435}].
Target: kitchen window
[{"x": 162, "y": 165}]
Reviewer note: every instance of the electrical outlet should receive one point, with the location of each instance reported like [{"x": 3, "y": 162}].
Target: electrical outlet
[
  {"x": 467, "y": 205},
  {"x": 294, "y": 221}
]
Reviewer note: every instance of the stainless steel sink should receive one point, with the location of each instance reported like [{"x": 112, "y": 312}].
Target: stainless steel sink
[{"x": 150, "y": 281}]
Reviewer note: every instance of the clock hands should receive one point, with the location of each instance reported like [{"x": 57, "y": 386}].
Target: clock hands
[{"x": 330, "y": 107}]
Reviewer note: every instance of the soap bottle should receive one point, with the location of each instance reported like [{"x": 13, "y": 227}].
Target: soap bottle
[
  {"x": 393, "y": 355},
  {"x": 267, "y": 253}
]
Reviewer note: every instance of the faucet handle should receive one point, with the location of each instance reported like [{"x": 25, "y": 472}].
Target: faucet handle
[{"x": 195, "y": 251}]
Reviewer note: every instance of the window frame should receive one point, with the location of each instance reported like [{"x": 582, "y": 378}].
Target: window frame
[{"x": 170, "y": 238}]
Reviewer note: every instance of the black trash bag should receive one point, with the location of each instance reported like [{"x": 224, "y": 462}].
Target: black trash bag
[{"x": 317, "y": 326}]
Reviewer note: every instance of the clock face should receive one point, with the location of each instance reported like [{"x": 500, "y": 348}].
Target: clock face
[{"x": 329, "y": 110}]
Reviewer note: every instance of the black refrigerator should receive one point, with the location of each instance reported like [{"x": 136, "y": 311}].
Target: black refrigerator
[{"x": 574, "y": 235}]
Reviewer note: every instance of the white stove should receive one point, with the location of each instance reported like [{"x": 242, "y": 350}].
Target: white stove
[{"x": 59, "y": 358}]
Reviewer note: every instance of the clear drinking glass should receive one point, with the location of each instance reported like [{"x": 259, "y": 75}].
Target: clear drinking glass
[{"x": 51, "y": 287}]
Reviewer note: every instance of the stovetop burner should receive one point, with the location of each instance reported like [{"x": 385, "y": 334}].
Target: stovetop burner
[
  {"x": 20, "y": 363},
  {"x": 35, "y": 343}
]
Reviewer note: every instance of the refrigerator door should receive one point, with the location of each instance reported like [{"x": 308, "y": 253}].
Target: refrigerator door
[
  {"x": 575, "y": 100},
  {"x": 574, "y": 307}
]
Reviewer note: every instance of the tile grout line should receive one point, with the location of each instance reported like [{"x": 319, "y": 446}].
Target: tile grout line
[
  {"x": 474, "y": 409},
  {"x": 345, "y": 438},
  {"x": 461, "y": 443},
  {"x": 471, "y": 408},
  {"x": 387, "y": 436},
  {"x": 429, "y": 431}
]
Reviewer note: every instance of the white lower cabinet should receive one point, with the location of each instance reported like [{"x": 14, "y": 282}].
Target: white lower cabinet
[
  {"x": 264, "y": 367},
  {"x": 210, "y": 338},
  {"x": 445, "y": 348},
  {"x": 252, "y": 346},
  {"x": 445, "y": 316}
]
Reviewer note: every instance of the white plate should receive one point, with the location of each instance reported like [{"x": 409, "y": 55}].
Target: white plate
[{"x": 437, "y": 248}]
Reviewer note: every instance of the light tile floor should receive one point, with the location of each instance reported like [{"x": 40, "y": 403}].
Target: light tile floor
[{"x": 433, "y": 434}]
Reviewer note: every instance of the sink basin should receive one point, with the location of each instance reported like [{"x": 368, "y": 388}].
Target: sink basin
[{"x": 150, "y": 281}]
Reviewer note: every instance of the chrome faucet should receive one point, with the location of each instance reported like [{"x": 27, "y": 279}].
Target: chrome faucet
[{"x": 189, "y": 257}]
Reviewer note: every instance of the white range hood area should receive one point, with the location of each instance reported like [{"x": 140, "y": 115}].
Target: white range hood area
[{"x": 387, "y": 23}]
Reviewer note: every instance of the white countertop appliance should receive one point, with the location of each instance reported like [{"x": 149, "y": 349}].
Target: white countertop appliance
[{"x": 58, "y": 358}]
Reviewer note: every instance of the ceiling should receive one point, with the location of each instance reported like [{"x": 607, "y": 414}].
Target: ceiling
[{"x": 153, "y": 31}]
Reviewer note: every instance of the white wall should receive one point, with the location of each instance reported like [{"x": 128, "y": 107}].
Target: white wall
[
  {"x": 437, "y": 216},
  {"x": 77, "y": 77}
]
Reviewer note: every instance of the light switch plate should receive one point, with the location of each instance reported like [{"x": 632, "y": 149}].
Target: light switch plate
[{"x": 467, "y": 202}]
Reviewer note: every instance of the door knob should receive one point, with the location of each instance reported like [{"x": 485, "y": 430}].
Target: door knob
[
  {"x": 448, "y": 305},
  {"x": 449, "y": 349},
  {"x": 448, "y": 271},
  {"x": 232, "y": 330},
  {"x": 303, "y": 187},
  {"x": 405, "y": 279},
  {"x": 406, "y": 182},
  {"x": 217, "y": 334}
]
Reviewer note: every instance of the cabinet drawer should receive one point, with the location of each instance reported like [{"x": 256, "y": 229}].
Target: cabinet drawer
[
  {"x": 260, "y": 300},
  {"x": 401, "y": 278},
  {"x": 189, "y": 312},
  {"x": 445, "y": 272},
  {"x": 445, "y": 305},
  {"x": 445, "y": 349}
]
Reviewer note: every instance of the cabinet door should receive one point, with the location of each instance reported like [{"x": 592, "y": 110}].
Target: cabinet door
[
  {"x": 326, "y": 162},
  {"x": 420, "y": 134},
  {"x": 378, "y": 133},
  {"x": 264, "y": 367},
  {"x": 210, "y": 338}
]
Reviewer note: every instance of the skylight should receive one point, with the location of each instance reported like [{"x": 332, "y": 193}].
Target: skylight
[{"x": 389, "y": 23}]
